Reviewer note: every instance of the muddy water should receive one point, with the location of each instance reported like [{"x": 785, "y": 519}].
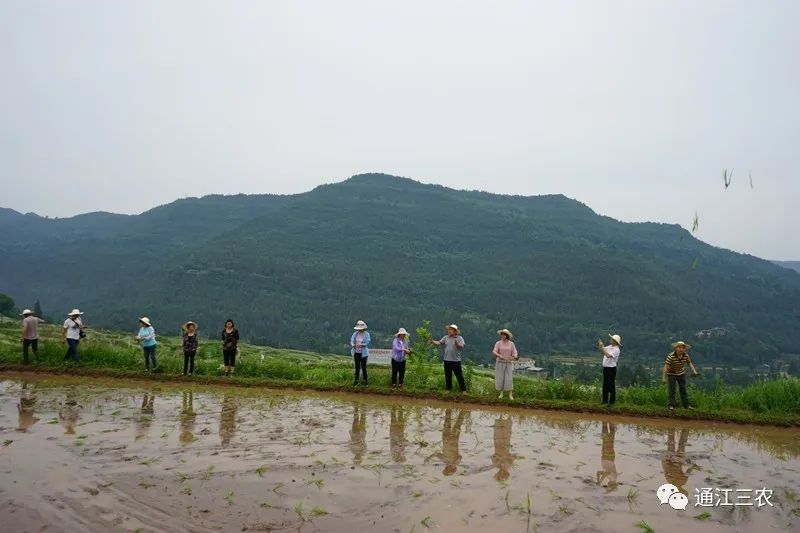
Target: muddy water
[{"x": 83, "y": 455}]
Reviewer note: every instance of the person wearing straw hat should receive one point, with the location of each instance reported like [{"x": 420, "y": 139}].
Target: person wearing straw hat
[
  {"x": 30, "y": 335},
  {"x": 610, "y": 358},
  {"x": 675, "y": 373},
  {"x": 400, "y": 351},
  {"x": 453, "y": 343},
  {"x": 72, "y": 333},
  {"x": 505, "y": 353},
  {"x": 359, "y": 349},
  {"x": 189, "y": 346},
  {"x": 147, "y": 336}
]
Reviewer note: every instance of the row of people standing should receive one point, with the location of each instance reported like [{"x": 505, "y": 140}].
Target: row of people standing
[
  {"x": 504, "y": 351},
  {"x": 229, "y": 337}
]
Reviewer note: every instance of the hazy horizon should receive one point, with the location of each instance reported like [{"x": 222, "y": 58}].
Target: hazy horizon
[{"x": 634, "y": 108}]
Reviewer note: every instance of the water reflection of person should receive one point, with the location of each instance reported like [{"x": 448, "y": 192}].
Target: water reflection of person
[
  {"x": 188, "y": 417},
  {"x": 607, "y": 475},
  {"x": 358, "y": 433},
  {"x": 451, "y": 433},
  {"x": 145, "y": 419},
  {"x": 397, "y": 434},
  {"x": 25, "y": 408},
  {"x": 674, "y": 459},
  {"x": 69, "y": 414},
  {"x": 502, "y": 459},
  {"x": 227, "y": 420}
]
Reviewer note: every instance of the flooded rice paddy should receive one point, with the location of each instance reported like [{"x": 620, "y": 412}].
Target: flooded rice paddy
[{"x": 92, "y": 455}]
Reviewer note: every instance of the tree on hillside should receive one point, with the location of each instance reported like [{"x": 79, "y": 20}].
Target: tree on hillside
[
  {"x": 7, "y": 305},
  {"x": 37, "y": 309}
]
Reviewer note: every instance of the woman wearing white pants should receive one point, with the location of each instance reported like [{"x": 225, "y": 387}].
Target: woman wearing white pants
[{"x": 505, "y": 353}]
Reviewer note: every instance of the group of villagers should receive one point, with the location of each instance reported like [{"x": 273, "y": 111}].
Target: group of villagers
[{"x": 452, "y": 344}]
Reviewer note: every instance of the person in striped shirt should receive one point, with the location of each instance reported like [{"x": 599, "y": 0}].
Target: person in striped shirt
[{"x": 675, "y": 373}]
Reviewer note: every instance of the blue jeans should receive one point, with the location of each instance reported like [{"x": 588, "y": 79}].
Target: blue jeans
[
  {"x": 149, "y": 356},
  {"x": 72, "y": 350}
]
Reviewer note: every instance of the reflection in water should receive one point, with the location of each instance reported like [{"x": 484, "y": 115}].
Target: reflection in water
[
  {"x": 607, "y": 476},
  {"x": 502, "y": 459},
  {"x": 187, "y": 418},
  {"x": 397, "y": 434},
  {"x": 358, "y": 433},
  {"x": 674, "y": 459},
  {"x": 25, "y": 408},
  {"x": 227, "y": 420},
  {"x": 451, "y": 433},
  {"x": 145, "y": 419},
  {"x": 69, "y": 413}
]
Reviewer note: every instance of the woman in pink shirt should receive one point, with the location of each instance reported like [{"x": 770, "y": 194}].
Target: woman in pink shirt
[{"x": 505, "y": 353}]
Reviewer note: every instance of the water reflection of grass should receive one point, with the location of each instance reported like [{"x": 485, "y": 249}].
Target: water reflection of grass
[{"x": 116, "y": 355}]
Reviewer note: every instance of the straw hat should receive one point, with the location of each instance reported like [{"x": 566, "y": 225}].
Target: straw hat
[
  {"x": 75, "y": 312},
  {"x": 504, "y": 330},
  {"x": 185, "y": 327},
  {"x": 615, "y": 338},
  {"x": 26, "y": 312},
  {"x": 144, "y": 320},
  {"x": 453, "y": 326},
  {"x": 401, "y": 331},
  {"x": 360, "y": 326},
  {"x": 681, "y": 343}
]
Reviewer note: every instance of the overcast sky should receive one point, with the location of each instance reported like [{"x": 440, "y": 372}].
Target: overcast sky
[{"x": 634, "y": 108}]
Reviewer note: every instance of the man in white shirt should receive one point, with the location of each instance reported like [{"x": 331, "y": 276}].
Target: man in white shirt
[
  {"x": 610, "y": 358},
  {"x": 73, "y": 327}
]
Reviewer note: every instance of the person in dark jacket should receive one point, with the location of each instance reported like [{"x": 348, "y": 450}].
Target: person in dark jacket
[
  {"x": 230, "y": 343},
  {"x": 189, "y": 347}
]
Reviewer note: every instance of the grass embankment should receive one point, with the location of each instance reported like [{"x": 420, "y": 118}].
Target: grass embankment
[{"x": 111, "y": 354}]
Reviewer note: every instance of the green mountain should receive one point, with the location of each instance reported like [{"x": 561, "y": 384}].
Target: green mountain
[{"x": 298, "y": 271}]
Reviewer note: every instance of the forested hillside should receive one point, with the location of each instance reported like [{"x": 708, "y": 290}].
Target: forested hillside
[{"x": 299, "y": 270}]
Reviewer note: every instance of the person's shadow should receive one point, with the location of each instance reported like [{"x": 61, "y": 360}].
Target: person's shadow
[
  {"x": 397, "y": 434},
  {"x": 358, "y": 433},
  {"x": 25, "y": 409},
  {"x": 674, "y": 460},
  {"x": 227, "y": 420},
  {"x": 147, "y": 413},
  {"x": 607, "y": 475},
  {"x": 451, "y": 434},
  {"x": 69, "y": 414},
  {"x": 502, "y": 459},
  {"x": 188, "y": 417}
]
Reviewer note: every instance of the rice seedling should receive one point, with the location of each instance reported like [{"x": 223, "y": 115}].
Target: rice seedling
[
  {"x": 187, "y": 490},
  {"x": 427, "y": 522},
  {"x": 703, "y": 516},
  {"x": 206, "y": 475},
  {"x": 7, "y": 443},
  {"x": 229, "y": 497},
  {"x": 317, "y": 512},
  {"x": 633, "y": 495},
  {"x": 260, "y": 470},
  {"x": 644, "y": 526},
  {"x": 300, "y": 512}
]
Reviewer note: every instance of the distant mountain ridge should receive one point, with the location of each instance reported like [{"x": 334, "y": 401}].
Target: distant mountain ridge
[
  {"x": 298, "y": 270},
  {"x": 793, "y": 265}
]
